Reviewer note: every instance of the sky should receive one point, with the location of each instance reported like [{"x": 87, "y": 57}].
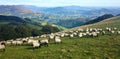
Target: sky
[{"x": 55, "y": 3}]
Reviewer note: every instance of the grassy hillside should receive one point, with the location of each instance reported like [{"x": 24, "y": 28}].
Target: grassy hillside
[
  {"x": 102, "y": 47},
  {"x": 111, "y": 22},
  {"x": 12, "y": 27}
]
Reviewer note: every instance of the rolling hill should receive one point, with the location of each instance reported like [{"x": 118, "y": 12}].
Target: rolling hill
[
  {"x": 110, "y": 22},
  {"x": 20, "y": 11},
  {"x": 12, "y": 27}
]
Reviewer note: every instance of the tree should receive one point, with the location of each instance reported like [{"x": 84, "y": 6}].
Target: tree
[{"x": 49, "y": 29}]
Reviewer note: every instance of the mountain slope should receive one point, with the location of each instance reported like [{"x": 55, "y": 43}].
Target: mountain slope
[
  {"x": 12, "y": 27},
  {"x": 19, "y": 10},
  {"x": 101, "y": 18},
  {"x": 111, "y": 22}
]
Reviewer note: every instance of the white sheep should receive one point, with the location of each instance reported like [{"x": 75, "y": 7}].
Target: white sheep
[
  {"x": 112, "y": 32},
  {"x": 80, "y": 35},
  {"x": 2, "y": 46},
  {"x": 30, "y": 41},
  {"x": 118, "y": 32},
  {"x": 19, "y": 42},
  {"x": 71, "y": 35},
  {"x": 94, "y": 34},
  {"x": 16, "y": 42},
  {"x": 44, "y": 42},
  {"x": 25, "y": 40},
  {"x": 51, "y": 36},
  {"x": 57, "y": 39},
  {"x": 35, "y": 44},
  {"x": 103, "y": 32},
  {"x": 62, "y": 35},
  {"x": 9, "y": 42}
]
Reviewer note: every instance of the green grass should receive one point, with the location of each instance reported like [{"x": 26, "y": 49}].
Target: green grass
[
  {"x": 2, "y": 23},
  {"x": 103, "y": 47}
]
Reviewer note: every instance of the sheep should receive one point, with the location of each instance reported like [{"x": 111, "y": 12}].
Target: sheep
[
  {"x": 112, "y": 32},
  {"x": 57, "y": 39},
  {"x": 30, "y": 41},
  {"x": 80, "y": 35},
  {"x": 51, "y": 36},
  {"x": 17, "y": 42},
  {"x": 25, "y": 40},
  {"x": 71, "y": 35},
  {"x": 43, "y": 36},
  {"x": 2, "y": 46},
  {"x": 84, "y": 34},
  {"x": 94, "y": 34},
  {"x": 66, "y": 34},
  {"x": 44, "y": 42},
  {"x": 103, "y": 32},
  {"x": 9, "y": 42},
  {"x": 36, "y": 44},
  {"x": 118, "y": 32},
  {"x": 75, "y": 33},
  {"x": 115, "y": 28},
  {"x": 62, "y": 35}
]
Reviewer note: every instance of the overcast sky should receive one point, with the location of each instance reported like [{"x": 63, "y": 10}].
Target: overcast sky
[{"x": 55, "y": 3}]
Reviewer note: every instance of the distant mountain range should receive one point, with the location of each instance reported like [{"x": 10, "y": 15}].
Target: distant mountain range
[{"x": 71, "y": 15}]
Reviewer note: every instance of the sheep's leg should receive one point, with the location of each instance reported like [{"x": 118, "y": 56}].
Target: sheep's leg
[{"x": 4, "y": 50}]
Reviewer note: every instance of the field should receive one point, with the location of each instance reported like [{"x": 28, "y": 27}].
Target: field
[{"x": 103, "y": 47}]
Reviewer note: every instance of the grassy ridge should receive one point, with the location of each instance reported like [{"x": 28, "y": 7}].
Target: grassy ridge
[
  {"x": 103, "y": 47},
  {"x": 111, "y": 22}
]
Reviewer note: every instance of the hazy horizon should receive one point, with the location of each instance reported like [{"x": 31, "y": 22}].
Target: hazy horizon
[{"x": 59, "y": 3}]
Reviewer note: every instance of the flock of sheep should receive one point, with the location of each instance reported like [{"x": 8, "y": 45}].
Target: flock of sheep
[{"x": 35, "y": 42}]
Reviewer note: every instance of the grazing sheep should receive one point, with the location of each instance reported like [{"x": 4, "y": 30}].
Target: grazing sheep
[
  {"x": 80, "y": 35},
  {"x": 30, "y": 41},
  {"x": 25, "y": 40},
  {"x": 75, "y": 33},
  {"x": 84, "y": 34},
  {"x": 9, "y": 42},
  {"x": 118, "y": 32},
  {"x": 57, "y": 39},
  {"x": 112, "y": 32},
  {"x": 36, "y": 44},
  {"x": 62, "y": 35},
  {"x": 66, "y": 34},
  {"x": 94, "y": 34},
  {"x": 43, "y": 36},
  {"x": 115, "y": 28},
  {"x": 16, "y": 42},
  {"x": 44, "y": 42},
  {"x": 71, "y": 35},
  {"x": 2, "y": 46},
  {"x": 51, "y": 36},
  {"x": 103, "y": 32},
  {"x": 19, "y": 42}
]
